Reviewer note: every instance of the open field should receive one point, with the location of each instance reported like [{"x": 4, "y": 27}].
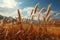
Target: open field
[{"x": 29, "y": 32}]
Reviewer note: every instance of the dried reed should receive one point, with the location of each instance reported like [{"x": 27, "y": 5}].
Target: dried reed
[
  {"x": 32, "y": 18},
  {"x": 48, "y": 11},
  {"x": 40, "y": 14},
  {"x": 41, "y": 10},
  {"x": 48, "y": 17},
  {"x": 36, "y": 8},
  {"x": 20, "y": 19},
  {"x": 19, "y": 15},
  {"x": 39, "y": 18},
  {"x": 32, "y": 11}
]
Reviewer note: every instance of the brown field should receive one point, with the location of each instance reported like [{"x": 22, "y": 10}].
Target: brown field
[
  {"x": 29, "y": 32},
  {"x": 24, "y": 30}
]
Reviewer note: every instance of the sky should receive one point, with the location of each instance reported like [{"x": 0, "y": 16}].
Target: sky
[{"x": 9, "y": 7}]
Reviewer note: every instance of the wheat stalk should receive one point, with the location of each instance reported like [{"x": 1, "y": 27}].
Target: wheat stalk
[
  {"x": 32, "y": 18},
  {"x": 40, "y": 13},
  {"x": 32, "y": 11},
  {"x": 41, "y": 10},
  {"x": 31, "y": 27},
  {"x": 19, "y": 15},
  {"x": 48, "y": 17},
  {"x": 29, "y": 30},
  {"x": 48, "y": 11},
  {"x": 6, "y": 33},
  {"x": 36, "y": 8},
  {"x": 20, "y": 19},
  {"x": 39, "y": 18},
  {"x": 17, "y": 32}
]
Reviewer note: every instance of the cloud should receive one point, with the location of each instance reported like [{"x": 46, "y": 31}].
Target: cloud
[
  {"x": 26, "y": 12},
  {"x": 8, "y": 3},
  {"x": 9, "y": 7},
  {"x": 28, "y": 9},
  {"x": 12, "y": 14}
]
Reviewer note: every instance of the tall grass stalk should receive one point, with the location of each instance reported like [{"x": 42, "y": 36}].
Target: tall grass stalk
[
  {"x": 48, "y": 11},
  {"x": 19, "y": 15},
  {"x": 40, "y": 14},
  {"x": 36, "y": 8},
  {"x": 20, "y": 19}
]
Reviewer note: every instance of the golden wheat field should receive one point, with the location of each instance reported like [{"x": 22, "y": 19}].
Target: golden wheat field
[
  {"x": 29, "y": 32},
  {"x": 23, "y": 30}
]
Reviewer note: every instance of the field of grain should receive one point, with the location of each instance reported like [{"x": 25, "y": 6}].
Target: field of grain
[
  {"x": 29, "y": 32},
  {"x": 23, "y": 30}
]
